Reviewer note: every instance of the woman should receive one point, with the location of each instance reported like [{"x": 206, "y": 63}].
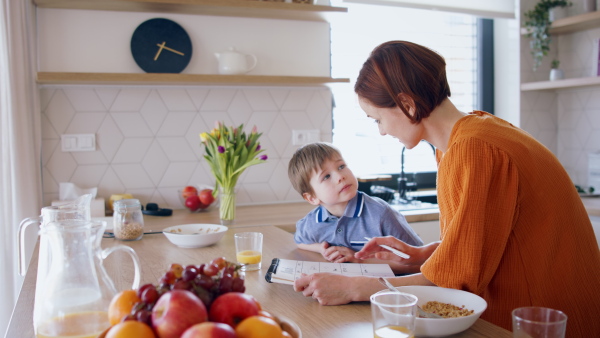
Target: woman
[{"x": 513, "y": 228}]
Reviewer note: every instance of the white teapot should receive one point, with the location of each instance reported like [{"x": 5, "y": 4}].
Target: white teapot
[{"x": 233, "y": 62}]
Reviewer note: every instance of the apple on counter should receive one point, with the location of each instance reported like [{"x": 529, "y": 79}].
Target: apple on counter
[
  {"x": 196, "y": 200},
  {"x": 232, "y": 308}
]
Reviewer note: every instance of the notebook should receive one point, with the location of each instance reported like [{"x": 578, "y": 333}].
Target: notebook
[{"x": 286, "y": 271}]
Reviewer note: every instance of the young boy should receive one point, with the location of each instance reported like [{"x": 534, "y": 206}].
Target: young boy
[{"x": 343, "y": 214}]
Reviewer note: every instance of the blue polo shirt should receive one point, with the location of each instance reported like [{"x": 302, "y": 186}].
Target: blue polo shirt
[{"x": 365, "y": 216}]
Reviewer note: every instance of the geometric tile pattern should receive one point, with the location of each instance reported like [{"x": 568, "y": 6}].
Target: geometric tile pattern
[
  {"x": 147, "y": 138},
  {"x": 567, "y": 121}
]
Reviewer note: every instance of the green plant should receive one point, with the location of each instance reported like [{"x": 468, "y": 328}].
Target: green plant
[
  {"x": 537, "y": 22},
  {"x": 555, "y": 63}
]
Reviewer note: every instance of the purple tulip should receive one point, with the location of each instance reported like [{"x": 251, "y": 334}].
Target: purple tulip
[
  {"x": 221, "y": 149},
  {"x": 258, "y": 147},
  {"x": 263, "y": 157}
]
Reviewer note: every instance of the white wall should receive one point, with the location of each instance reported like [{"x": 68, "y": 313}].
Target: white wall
[
  {"x": 506, "y": 72},
  {"x": 147, "y": 136}
]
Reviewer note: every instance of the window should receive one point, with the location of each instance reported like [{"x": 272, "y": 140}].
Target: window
[{"x": 353, "y": 37}]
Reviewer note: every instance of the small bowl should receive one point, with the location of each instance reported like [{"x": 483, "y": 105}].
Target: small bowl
[
  {"x": 195, "y": 235},
  {"x": 435, "y": 327}
]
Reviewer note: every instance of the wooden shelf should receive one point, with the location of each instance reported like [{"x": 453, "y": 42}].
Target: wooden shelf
[
  {"x": 573, "y": 23},
  {"x": 237, "y": 8},
  {"x": 181, "y": 79},
  {"x": 561, "y": 84}
]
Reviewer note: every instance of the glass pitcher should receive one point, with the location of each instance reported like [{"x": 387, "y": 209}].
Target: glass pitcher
[
  {"x": 77, "y": 290},
  {"x": 78, "y": 209}
]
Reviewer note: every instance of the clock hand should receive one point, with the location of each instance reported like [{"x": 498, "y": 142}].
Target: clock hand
[
  {"x": 159, "y": 50},
  {"x": 169, "y": 49}
]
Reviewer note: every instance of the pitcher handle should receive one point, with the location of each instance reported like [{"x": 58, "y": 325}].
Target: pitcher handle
[
  {"x": 22, "y": 227},
  {"x": 254, "y": 62},
  {"x": 134, "y": 257}
]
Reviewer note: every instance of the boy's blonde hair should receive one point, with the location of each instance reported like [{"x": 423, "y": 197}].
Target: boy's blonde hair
[{"x": 306, "y": 160}]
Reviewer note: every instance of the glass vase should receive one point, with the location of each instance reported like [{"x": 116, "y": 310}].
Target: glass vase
[{"x": 227, "y": 207}]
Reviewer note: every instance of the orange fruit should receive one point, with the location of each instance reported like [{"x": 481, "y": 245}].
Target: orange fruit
[
  {"x": 258, "y": 327},
  {"x": 129, "y": 329},
  {"x": 121, "y": 305}
]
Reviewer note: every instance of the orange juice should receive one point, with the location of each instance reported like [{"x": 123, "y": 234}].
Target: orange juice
[
  {"x": 75, "y": 325},
  {"x": 249, "y": 257},
  {"x": 393, "y": 331}
]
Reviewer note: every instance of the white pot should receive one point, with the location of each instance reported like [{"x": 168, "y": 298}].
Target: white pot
[
  {"x": 589, "y": 6},
  {"x": 556, "y": 74},
  {"x": 557, "y": 13}
]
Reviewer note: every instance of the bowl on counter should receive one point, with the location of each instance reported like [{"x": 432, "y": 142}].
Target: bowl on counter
[
  {"x": 194, "y": 235},
  {"x": 434, "y": 327}
]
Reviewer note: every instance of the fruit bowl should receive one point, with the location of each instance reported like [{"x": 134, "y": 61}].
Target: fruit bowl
[
  {"x": 194, "y": 235},
  {"x": 211, "y": 206},
  {"x": 434, "y": 327}
]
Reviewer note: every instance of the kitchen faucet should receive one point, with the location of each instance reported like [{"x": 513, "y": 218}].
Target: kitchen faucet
[{"x": 402, "y": 180}]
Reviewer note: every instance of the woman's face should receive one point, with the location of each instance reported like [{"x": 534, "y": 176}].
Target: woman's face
[{"x": 393, "y": 122}]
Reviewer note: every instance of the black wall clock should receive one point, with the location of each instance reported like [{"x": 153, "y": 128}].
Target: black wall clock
[{"x": 161, "y": 46}]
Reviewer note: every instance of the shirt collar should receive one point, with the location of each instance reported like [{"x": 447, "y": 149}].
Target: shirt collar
[{"x": 353, "y": 209}]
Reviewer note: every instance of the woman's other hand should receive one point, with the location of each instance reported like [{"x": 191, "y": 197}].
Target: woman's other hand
[{"x": 334, "y": 289}]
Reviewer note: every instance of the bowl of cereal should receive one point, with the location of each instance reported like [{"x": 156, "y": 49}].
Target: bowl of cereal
[
  {"x": 195, "y": 235},
  {"x": 459, "y": 309}
]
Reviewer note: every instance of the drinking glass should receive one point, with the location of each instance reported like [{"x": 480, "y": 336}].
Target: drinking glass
[
  {"x": 248, "y": 250},
  {"x": 538, "y": 322},
  {"x": 394, "y": 314}
]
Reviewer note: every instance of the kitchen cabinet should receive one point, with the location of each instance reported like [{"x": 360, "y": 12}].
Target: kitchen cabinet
[
  {"x": 567, "y": 25},
  {"x": 232, "y": 8}
]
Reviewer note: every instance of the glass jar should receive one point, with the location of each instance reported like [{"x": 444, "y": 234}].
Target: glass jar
[{"x": 128, "y": 220}]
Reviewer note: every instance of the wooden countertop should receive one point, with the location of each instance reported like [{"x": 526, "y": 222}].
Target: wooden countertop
[{"x": 156, "y": 253}]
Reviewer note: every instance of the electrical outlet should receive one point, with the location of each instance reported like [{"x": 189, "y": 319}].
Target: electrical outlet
[
  {"x": 78, "y": 142},
  {"x": 305, "y": 136}
]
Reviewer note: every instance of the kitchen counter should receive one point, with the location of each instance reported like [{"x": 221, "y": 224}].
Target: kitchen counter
[
  {"x": 156, "y": 253},
  {"x": 284, "y": 215}
]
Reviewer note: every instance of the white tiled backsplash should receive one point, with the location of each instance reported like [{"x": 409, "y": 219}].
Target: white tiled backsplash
[{"x": 147, "y": 138}]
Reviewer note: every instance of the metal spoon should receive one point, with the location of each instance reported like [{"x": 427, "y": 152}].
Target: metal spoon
[{"x": 422, "y": 313}]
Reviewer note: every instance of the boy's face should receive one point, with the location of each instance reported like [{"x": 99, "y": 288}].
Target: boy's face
[{"x": 333, "y": 185}]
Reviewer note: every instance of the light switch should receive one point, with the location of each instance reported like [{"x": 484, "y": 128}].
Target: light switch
[
  {"x": 78, "y": 142},
  {"x": 301, "y": 137}
]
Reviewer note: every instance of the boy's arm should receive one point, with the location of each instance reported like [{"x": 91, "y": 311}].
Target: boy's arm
[{"x": 314, "y": 247}]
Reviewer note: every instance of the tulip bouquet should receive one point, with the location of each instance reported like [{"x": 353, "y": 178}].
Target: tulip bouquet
[{"x": 229, "y": 151}]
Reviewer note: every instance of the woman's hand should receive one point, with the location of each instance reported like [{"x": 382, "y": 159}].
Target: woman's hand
[
  {"x": 334, "y": 289},
  {"x": 418, "y": 255}
]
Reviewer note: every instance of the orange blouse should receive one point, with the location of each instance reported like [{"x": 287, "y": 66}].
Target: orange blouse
[{"x": 513, "y": 228}]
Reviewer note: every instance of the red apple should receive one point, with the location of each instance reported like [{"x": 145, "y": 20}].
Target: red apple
[
  {"x": 193, "y": 203},
  {"x": 209, "y": 330},
  {"x": 233, "y": 307},
  {"x": 175, "y": 312},
  {"x": 189, "y": 191},
  {"x": 206, "y": 196}
]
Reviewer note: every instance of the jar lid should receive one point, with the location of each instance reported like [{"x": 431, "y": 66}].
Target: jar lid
[{"x": 127, "y": 203}]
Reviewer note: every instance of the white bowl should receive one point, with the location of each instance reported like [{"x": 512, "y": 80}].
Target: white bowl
[
  {"x": 195, "y": 235},
  {"x": 434, "y": 327}
]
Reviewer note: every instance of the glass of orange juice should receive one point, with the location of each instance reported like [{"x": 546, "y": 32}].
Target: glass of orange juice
[
  {"x": 394, "y": 314},
  {"x": 248, "y": 250}
]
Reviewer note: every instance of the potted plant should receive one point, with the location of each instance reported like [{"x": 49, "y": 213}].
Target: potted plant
[
  {"x": 555, "y": 72},
  {"x": 537, "y": 22}
]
